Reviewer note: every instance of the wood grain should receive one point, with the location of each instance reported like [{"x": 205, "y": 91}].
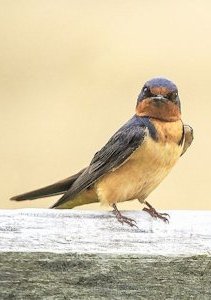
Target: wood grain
[{"x": 70, "y": 254}]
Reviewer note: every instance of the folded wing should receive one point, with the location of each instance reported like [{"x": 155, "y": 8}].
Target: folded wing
[{"x": 118, "y": 149}]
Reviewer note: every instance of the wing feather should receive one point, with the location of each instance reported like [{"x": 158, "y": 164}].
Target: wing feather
[
  {"x": 188, "y": 134},
  {"x": 121, "y": 145}
]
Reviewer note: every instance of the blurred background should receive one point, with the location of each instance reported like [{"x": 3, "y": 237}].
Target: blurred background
[{"x": 70, "y": 73}]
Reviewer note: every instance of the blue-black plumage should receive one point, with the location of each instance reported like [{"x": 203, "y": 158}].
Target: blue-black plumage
[{"x": 134, "y": 160}]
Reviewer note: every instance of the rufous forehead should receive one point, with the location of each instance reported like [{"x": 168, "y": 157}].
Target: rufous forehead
[{"x": 159, "y": 90}]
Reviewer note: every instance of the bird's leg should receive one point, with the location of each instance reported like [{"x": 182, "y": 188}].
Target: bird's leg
[
  {"x": 122, "y": 219},
  {"x": 155, "y": 214}
]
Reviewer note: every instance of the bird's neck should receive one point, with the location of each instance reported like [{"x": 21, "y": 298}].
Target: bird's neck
[{"x": 168, "y": 112}]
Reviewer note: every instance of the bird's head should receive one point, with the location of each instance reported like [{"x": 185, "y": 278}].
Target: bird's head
[{"x": 159, "y": 99}]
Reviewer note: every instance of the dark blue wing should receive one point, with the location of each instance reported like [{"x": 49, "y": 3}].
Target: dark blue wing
[{"x": 120, "y": 146}]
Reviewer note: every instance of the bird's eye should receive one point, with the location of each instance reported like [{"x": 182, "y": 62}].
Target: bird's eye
[
  {"x": 175, "y": 94},
  {"x": 145, "y": 89}
]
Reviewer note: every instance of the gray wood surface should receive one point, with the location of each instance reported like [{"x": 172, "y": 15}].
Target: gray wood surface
[
  {"x": 102, "y": 276},
  {"x": 55, "y": 254},
  {"x": 188, "y": 233}
]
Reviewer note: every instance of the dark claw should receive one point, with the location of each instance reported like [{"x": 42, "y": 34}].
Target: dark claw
[
  {"x": 122, "y": 219},
  {"x": 129, "y": 219},
  {"x": 165, "y": 214},
  {"x": 156, "y": 215}
]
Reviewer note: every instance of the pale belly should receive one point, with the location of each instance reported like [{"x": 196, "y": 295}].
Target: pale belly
[{"x": 140, "y": 175}]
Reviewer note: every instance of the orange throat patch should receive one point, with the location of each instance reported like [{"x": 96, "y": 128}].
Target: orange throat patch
[{"x": 168, "y": 112}]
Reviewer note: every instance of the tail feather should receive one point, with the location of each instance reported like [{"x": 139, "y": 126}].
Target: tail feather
[{"x": 57, "y": 188}]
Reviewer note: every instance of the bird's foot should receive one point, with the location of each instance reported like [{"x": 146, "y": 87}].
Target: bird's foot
[
  {"x": 122, "y": 219},
  {"x": 150, "y": 210}
]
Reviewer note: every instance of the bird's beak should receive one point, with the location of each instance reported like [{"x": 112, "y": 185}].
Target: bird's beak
[{"x": 159, "y": 99}]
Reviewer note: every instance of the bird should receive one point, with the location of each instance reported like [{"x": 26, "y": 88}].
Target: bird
[{"x": 135, "y": 159}]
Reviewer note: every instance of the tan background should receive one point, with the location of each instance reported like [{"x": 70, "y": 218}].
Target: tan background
[{"x": 70, "y": 73}]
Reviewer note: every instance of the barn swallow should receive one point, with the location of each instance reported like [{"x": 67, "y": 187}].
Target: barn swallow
[{"x": 135, "y": 159}]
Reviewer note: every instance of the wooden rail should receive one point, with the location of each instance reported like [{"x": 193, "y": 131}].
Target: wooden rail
[{"x": 71, "y": 254}]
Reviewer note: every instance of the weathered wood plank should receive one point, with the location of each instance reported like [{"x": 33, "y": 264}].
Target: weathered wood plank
[
  {"x": 188, "y": 233},
  {"x": 54, "y": 254},
  {"x": 95, "y": 276}
]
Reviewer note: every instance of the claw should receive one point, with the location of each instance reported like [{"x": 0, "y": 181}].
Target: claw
[
  {"x": 155, "y": 214},
  {"x": 122, "y": 219}
]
